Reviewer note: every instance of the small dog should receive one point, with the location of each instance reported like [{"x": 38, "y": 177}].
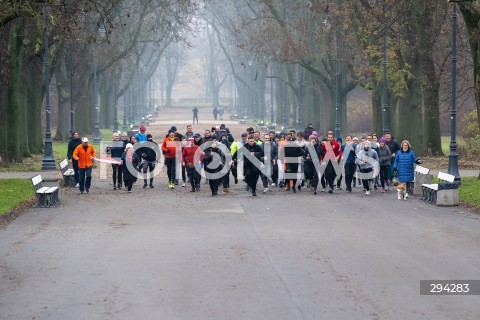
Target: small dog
[{"x": 402, "y": 191}]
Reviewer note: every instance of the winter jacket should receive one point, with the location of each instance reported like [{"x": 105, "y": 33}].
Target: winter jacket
[
  {"x": 116, "y": 149},
  {"x": 318, "y": 153},
  {"x": 248, "y": 166},
  {"x": 404, "y": 161},
  {"x": 209, "y": 156},
  {"x": 84, "y": 156},
  {"x": 273, "y": 151},
  {"x": 171, "y": 147},
  {"x": 148, "y": 153},
  {"x": 384, "y": 156},
  {"x": 134, "y": 160},
  {"x": 141, "y": 137},
  {"x": 71, "y": 147},
  {"x": 352, "y": 156},
  {"x": 188, "y": 154},
  {"x": 365, "y": 159},
  {"x": 337, "y": 150},
  {"x": 393, "y": 146}
]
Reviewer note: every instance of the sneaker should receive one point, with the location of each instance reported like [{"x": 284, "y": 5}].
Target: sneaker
[
  {"x": 399, "y": 196},
  {"x": 287, "y": 188},
  {"x": 119, "y": 187},
  {"x": 87, "y": 190},
  {"x": 144, "y": 185},
  {"x": 330, "y": 190},
  {"x": 273, "y": 184},
  {"x": 374, "y": 187},
  {"x": 406, "y": 195},
  {"x": 176, "y": 182},
  {"x": 197, "y": 187},
  {"x": 183, "y": 185},
  {"x": 300, "y": 187},
  {"x": 114, "y": 187},
  {"x": 214, "y": 193},
  {"x": 151, "y": 185},
  {"x": 254, "y": 194},
  {"x": 129, "y": 191},
  {"x": 323, "y": 190},
  {"x": 349, "y": 190},
  {"x": 193, "y": 190},
  {"x": 81, "y": 192},
  {"x": 294, "y": 189},
  {"x": 367, "y": 193},
  {"x": 236, "y": 180},
  {"x": 339, "y": 188},
  {"x": 383, "y": 190},
  {"x": 265, "y": 190},
  {"x": 227, "y": 190},
  {"x": 314, "y": 191}
]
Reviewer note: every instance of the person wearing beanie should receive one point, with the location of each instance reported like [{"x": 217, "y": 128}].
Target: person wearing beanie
[
  {"x": 309, "y": 129},
  {"x": 384, "y": 156},
  {"x": 130, "y": 166},
  {"x": 141, "y": 136},
  {"x": 84, "y": 154},
  {"x": 315, "y": 134},
  {"x": 175, "y": 132}
]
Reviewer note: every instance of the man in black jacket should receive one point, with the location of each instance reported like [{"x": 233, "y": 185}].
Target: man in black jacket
[
  {"x": 71, "y": 147},
  {"x": 250, "y": 171},
  {"x": 210, "y": 157},
  {"x": 116, "y": 150},
  {"x": 270, "y": 159},
  {"x": 148, "y": 152},
  {"x": 292, "y": 150}
]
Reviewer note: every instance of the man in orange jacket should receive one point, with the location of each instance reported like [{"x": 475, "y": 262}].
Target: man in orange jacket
[{"x": 84, "y": 154}]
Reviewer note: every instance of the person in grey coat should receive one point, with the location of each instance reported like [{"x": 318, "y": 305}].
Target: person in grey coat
[
  {"x": 366, "y": 158},
  {"x": 384, "y": 156}
]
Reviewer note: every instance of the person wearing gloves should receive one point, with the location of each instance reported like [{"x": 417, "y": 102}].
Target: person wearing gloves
[
  {"x": 130, "y": 166},
  {"x": 403, "y": 165},
  {"x": 366, "y": 159},
  {"x": 84, "y": 154}
]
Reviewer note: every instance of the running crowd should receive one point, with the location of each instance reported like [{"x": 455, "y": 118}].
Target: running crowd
[{"x": 319, "y": 164}]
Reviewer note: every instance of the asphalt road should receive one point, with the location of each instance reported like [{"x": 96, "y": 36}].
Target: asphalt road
[{"x": 163, "y": 254}]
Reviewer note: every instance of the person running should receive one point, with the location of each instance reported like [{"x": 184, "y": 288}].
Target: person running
[
  {"x": 333, "y": 152},
  {"x": 215, "y": 113},
  {"x": 148, "y": 155},
  {"x": 188, "y": 155},
  {"x": 130, "y": 166},
  {"x": 116, "y": 151},
  {"x": 170, "y": 148},
  {"x": 195, "y": 115},
  {"x": 394, "y": 148},
  {"x": 215, "y": 168},
  {"x": 226, "y": 178},
  {"x": 365, "y": 160},
  {"x": 340, "y": 178},
  {"x": 250, "y": 171},
  {"x": 234, "y": 147},
  {"x": 384, "y": 156},
  {"x": 72, "y": 145},
  {"x": 292, "y": 149},
  {"x": 310, "y": 171},
  {"x": 268, "y": 158},
  {"x": 84, "y": 154},
  {"x": 403, "y": 165},
  {"x": 349, "y": 148},
  {"x": 189, "y": 134}
]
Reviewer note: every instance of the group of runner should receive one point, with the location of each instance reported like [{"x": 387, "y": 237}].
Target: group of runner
[{"x": 289, "y": 160}]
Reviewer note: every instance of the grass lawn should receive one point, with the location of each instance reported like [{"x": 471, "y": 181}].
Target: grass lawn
[
  {"x": 468, "y": 191},
  {"x": 14, "y": 192}
]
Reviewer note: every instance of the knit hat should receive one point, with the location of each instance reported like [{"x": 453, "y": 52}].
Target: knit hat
[
  {"x": 355, "y": 139},
  {"x": 173, "y": 129},
  {"x": 339, "y": 140},
  {"x": 197, "y": 135},
  {"x": 382, "y": 139},
  {"x": 128, "y": 146},
  {"x": 142, "y": 128},
  {"x": 84, "y": 139},
  {"x": 314, "y": 133}
]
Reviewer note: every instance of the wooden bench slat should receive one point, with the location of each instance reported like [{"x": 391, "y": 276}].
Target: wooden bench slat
[
  {"x": 42, "y": 190},
  {"x": 51, "y": 190},
  {"x": 446, "y": 177},
  {"x": 37, "y": 179},
  {"x": 422, "y": 170}
]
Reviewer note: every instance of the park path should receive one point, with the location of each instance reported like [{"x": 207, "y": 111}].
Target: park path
[{"x": 169, "y": 254}]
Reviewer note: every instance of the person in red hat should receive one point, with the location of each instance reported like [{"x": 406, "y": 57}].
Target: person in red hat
[{"x": 141, "y": 136}]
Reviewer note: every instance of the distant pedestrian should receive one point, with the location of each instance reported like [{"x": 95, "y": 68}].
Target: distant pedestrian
[
  {"x": 84, "y": 154},
  {"x": 74, "y": 143},
  {"x": 195, "y": 114},
  {"x": 215, "y": 113}
]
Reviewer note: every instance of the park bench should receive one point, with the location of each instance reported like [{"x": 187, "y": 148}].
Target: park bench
[
  {"x": 443, "y": 193},
  {"x": 422, "y": 176},
  {"x": 67, "y": 173},
  {"x": 46, "y": 196}
]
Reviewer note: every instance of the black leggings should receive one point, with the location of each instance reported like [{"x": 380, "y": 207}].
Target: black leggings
[
  {"x": 384, "y": 175},
  {"x": 117, "y": 175},
  {"x": 171, "y": 164}
]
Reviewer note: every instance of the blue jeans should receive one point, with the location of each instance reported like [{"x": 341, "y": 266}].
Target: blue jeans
[{"x": 85, "y": 176}]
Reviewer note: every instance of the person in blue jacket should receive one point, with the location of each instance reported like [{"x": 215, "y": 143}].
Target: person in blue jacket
[{"x": 403, "y": 165}]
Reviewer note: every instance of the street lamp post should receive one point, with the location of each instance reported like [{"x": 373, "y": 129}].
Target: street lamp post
[
  {"x": 115, "y": 111},
  {"x": 124, "y": 125},
  {"x": 272, "y": 120},
  {"x": 337, "y": 86},
  {"x": 453, "y": 156},
  {"x": 96, "y": 139},
  {"x": 284, "y": 106},
  {"x": 72, "y": 110},
  {"x": 48, "y": 162},
  {"x": 385, "y": 81}
]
